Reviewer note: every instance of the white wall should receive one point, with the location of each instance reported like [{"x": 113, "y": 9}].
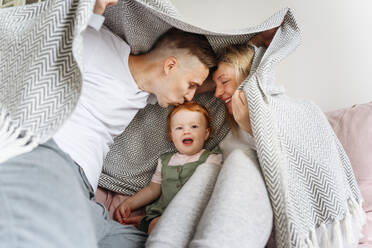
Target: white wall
[{"x": 332, "y": 66}]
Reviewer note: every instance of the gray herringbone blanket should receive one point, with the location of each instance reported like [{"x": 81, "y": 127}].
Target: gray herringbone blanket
[{"x": 307, "y": 173}]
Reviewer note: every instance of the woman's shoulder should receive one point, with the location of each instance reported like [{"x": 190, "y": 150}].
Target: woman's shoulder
[
  {"x": 242, "y": 141},
  {"x": 215, "y": 158}
]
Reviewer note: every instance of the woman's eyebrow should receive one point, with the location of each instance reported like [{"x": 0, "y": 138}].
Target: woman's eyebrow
[
  {"x": 222, "y": 75},
  {"x": 219, "y": 76}
]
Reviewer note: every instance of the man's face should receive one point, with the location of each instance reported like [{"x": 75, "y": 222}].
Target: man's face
[
  {"x": 189, "y": 131},
  {"x": 182, "y": 81}
]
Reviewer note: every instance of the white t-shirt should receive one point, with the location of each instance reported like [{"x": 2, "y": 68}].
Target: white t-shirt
[{"x": 109, "y": 100}]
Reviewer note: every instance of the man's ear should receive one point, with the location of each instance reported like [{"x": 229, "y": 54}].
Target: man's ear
[{"x": 169, "y": 64}]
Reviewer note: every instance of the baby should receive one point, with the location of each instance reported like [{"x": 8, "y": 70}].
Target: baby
[{"x": 188, "y": 129}]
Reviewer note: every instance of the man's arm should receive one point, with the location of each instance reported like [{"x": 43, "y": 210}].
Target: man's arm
[
  {"x": 264, "y": 38},
  {"x": 96, "y": 20},
  {"x": 101, "y": 5}
]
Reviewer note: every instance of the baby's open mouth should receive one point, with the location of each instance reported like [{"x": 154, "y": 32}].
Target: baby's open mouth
[{"x": 187, "y": 141}]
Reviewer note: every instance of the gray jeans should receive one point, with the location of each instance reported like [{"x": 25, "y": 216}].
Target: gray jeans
[{"x": 46, "y": 201}]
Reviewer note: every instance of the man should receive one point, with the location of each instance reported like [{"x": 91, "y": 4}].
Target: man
[{"x": 47, "y": 195}]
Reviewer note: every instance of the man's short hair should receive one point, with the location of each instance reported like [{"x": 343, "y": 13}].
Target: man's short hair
[{"x": 195, "y": 44}]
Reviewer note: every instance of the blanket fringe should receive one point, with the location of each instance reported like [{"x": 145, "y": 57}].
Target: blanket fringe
[
  {"x": 337, "y": 236},
  {"x": 13, "y": 139},
  {"x": 341, "y": 231},
  {"x": 309, "y": 243},
  {"x": 357, "y": 210},
  {"x": 347, "y": 228},
  {"x": 326, "y": 240},
  {"x": 314, "y": 238}
]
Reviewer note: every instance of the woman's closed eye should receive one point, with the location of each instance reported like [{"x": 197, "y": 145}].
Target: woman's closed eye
[{"x": 193, "y": 86}]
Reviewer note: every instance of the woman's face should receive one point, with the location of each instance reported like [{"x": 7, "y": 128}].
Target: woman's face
[{"x": 226, "y": 82}]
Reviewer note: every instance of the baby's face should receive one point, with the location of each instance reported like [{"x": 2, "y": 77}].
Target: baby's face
[{"x": 189, "y": 131}]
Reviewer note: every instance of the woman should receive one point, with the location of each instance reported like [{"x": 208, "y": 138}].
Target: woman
[
  {"x": 240, "y": 200},
  {"x": 241, "y": 204}
]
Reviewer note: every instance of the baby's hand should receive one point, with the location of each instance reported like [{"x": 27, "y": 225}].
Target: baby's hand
[
  {"x": 134, "y": 220},
  {"x": 122, "y": 212}
]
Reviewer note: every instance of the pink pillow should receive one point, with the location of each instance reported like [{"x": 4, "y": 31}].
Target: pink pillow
[{"x": 353, "y": 127}]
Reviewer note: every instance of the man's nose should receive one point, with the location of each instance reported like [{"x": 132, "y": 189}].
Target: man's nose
[{"x": 188, "y": 97}]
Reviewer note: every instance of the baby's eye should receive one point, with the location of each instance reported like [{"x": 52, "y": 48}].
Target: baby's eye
[
  {"x": 194, "y": 126},
  {"x": 178, "y": 128}
]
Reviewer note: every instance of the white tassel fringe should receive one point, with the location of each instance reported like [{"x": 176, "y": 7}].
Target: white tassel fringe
[
  {"x": 348, "y": 228},
  {"x": 14, "y": 140},
  {"x": 340, "y": 232},
  {"x": 337, "y": 236},
  {"x": 325, "y": 237},
  {"x": 309, "y": 243},
  {"x": 314, "y": 238}
]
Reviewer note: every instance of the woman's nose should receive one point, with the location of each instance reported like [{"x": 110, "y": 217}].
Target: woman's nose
[{"x": 219, "y": 92}]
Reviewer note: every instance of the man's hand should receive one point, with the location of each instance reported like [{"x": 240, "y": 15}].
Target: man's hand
[
  {"x": 264, "y": 38},
  {"x": 240, "y": 111},
  {"x": 101, "y": 5}
]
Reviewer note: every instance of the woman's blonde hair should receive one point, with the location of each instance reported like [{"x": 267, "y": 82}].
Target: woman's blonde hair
[{"x": 240, "y": 56}]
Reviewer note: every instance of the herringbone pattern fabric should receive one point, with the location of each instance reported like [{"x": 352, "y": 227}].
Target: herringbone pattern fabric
[
  {"x": 40, "y": 78},
  {"x": 133, "y": 157},
  {"x": 304, "y": 166}
]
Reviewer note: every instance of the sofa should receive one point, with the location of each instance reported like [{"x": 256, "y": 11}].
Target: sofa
[{"x": 353, "y": 127}]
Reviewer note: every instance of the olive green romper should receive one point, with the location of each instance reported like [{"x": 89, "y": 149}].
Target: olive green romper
[{"x": 173, "y": 178}]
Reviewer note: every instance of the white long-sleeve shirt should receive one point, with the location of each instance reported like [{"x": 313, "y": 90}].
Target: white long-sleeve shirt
[{"x": 109, "y": 100}]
